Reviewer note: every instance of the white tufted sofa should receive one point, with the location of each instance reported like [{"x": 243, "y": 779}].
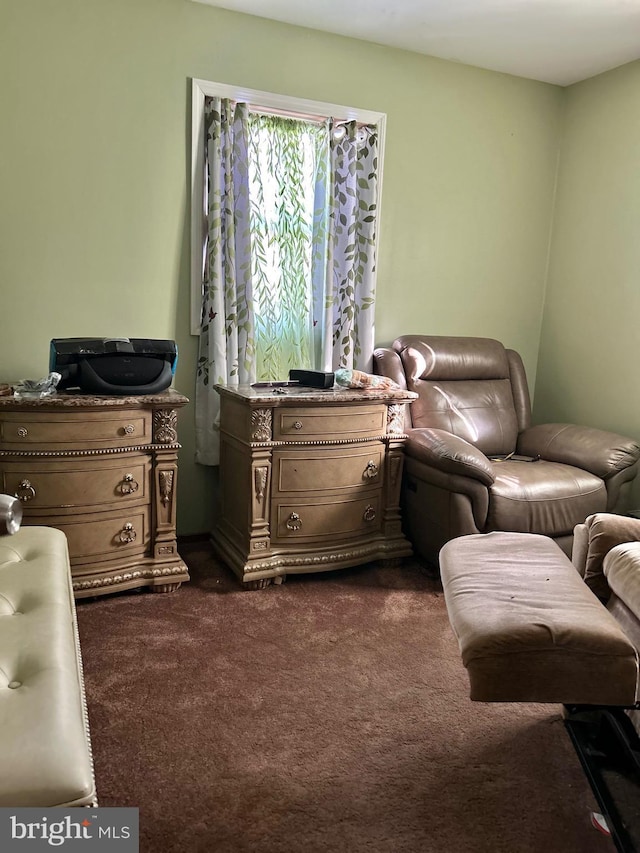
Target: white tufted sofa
[{"x": 45, "y": 750}]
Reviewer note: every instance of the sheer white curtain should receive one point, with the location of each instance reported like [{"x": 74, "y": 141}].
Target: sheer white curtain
[{"x": 288, "y": 165}]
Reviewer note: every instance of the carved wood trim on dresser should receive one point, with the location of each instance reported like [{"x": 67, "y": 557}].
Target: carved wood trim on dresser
[
  {"x": 104, "y": 470},
  {"x": 309, "y": 480}
]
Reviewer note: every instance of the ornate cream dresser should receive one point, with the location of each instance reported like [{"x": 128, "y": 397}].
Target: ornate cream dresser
[
  {"x": 104, "y": 471},
  {"x": 309, "y": 480}
]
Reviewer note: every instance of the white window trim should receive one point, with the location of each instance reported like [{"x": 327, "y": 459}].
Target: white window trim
[{"x": 201, "y": 89}]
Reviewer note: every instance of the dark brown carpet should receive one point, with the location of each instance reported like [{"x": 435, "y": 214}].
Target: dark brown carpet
[{"x": 327, "y": 714}]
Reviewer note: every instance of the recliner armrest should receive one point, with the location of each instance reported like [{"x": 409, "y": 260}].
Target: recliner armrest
[
  {"x": 621, "y": 568},
  {"x": 593, "y": 540},
  {"x": 450, "y": 454},
  {"x": 600, "y": 452},
  {"x": 387, "y": 362}
]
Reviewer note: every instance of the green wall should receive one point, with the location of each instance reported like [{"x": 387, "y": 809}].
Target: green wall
[
  {"x": 590, "y": 341},
  {"x": 94, "y": 180}
]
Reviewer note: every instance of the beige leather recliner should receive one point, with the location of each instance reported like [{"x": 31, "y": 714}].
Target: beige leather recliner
[{"x": 475, "y": 464}]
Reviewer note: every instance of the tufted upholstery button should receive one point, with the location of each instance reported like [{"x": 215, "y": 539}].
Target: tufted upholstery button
[{"x": 14, "y": 684}]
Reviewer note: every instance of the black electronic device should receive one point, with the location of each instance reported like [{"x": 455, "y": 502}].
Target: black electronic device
[
  {"x": 113, "y": 365},
  {"x": 313, "y": 378}
]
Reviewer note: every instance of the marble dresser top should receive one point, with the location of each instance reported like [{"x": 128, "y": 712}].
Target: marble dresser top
[
  {"x": 292, "y": 394},
  {"x": 65, "y": 400}
]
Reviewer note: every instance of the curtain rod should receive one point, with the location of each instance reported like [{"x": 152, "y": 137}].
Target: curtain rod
[
  {"x": 274, "y": 111},
  {"x": 315, "y": 119},
  {"x": 310, "y": 117}
]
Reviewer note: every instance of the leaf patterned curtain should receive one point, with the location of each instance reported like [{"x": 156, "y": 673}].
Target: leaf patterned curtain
[
  {"x": 226, "y": 350},
  {"x": 350, "y": 287}
]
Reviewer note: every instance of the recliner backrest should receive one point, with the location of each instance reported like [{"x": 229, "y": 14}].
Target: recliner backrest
[{"x": 472, "y": 387}]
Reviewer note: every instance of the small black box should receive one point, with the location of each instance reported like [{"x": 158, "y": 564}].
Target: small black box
[{"x": 312, "y": 378}]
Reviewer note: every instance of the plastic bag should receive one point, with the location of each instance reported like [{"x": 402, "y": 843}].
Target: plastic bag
[
  {"x": 359, "y": 379},
  {"x": 38, "y": 387}
]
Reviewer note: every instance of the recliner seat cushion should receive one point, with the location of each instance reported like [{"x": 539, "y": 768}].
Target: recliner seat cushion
[
  {"x": 542, "y": 497},
  {"x": 528, "y": 627}
]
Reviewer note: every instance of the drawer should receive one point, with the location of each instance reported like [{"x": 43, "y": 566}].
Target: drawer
[
  {"x": 311, "y": 423},
  {"x": 340, "y": 467},
  {"x": 330, "y": 518},
  {"x": 102, "y": 536},
  {"x": 74, "y": 430},
  {"x": 77, "y": 482}
]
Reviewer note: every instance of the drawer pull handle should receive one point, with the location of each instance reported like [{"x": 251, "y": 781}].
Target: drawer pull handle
[
  {"x": 371, "y": 471},
  {"x": 127, "y": 534},
  {"x": 25, "y": 491},
  {"x": 369, "y": 514},
  {"x": 294, "y": 522},
  {"x": 297, "y": 425},
  {"x": 23, "y": 432},
  {"x": 129, "y": 429},
  {"x": 128, "y": 485}
]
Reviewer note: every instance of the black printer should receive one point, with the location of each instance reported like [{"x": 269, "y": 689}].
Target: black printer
[{"x": 113, "y": 365}]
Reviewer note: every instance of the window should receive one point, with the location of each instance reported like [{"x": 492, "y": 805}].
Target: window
[
  {"x": 262, "y": 102},
  {"x": 284, "y": 238},
  {"x": 288, "y": 161}
]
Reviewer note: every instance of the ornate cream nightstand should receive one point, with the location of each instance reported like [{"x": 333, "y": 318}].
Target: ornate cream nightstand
[
  {"x": 104, "y": 471},
  {"x": 310, "y": 480}
]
